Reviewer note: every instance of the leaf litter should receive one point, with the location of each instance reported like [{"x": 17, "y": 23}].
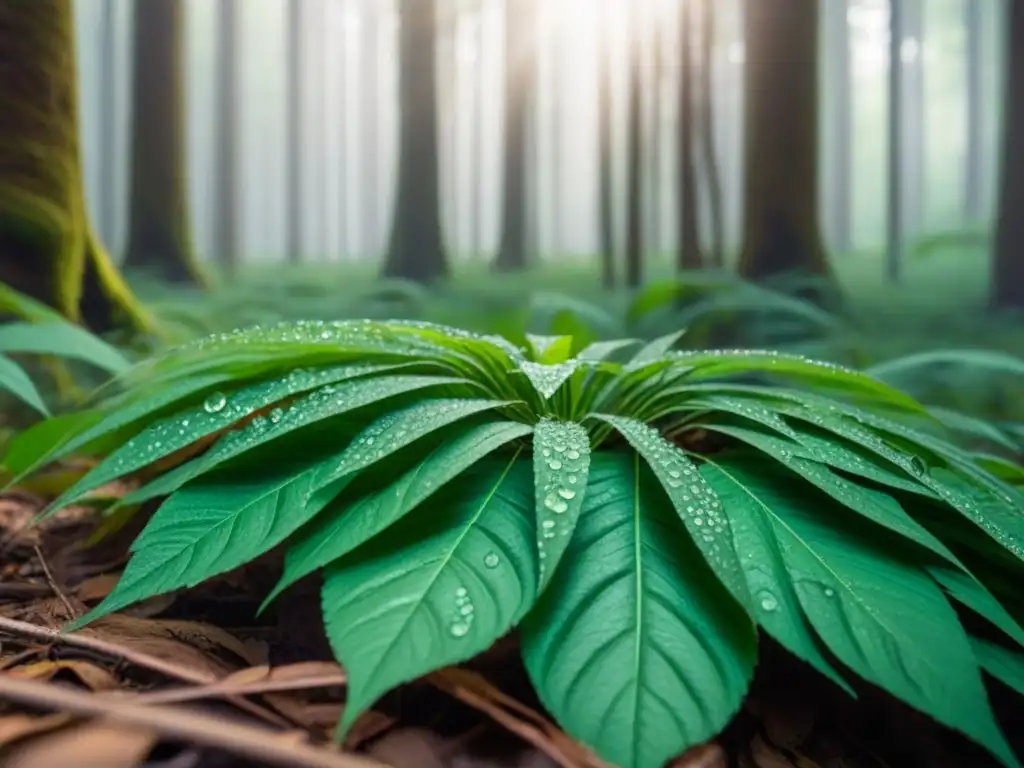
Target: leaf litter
[{"x": 197, "y": 676}]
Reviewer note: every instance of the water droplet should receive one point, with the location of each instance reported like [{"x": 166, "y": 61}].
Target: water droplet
[
  {"x": 459, "y": 629},
  {"x": 767, "y": 600},
  {"x": 215, "y": 402},
  {"x": 918, "y": 466},
  {"x": 555, "y": 464},
  {"x": 491, "y": 560},
  {"x": 829, "y": 592},
  {"x": 565, "y": 493}
]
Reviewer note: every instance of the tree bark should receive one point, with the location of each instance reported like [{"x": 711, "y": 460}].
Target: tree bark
[
  {"x": 48, "y": 249},
  {"x": 226, "y": 162},
  {"x": 159, "y": 226},
  {"x": 690, "y": 254},
  {"x": 1008, "y": 260},
  {"x": 109, "y": 200},
  {"x": 781, "y": 227},
  {"x": 295, "y": 60},
  {"x": 369, "y": 86},
  {"x": 520, "y": 90},
  {"x": 709, "y": 149},
  {"x": 606, "y": 181},
  {"x": 634, "y": 159},
  {"x": 416, "y": 250}
]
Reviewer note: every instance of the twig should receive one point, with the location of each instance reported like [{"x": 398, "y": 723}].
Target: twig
[
  {"x": 253, "y": 743},
  {"x": 46, "y": 635},
  {"x": 144, "y": 660},
  {"x": 72, "y": 613},
  {"x": 224, "y": 688}
]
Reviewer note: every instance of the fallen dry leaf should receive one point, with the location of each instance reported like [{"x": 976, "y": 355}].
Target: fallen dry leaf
[
  {"x": 709, "y": 755},
  {"x": 411, "y": 748},
  {"x": 14, "y": 727},
  {"x": 92, "y": 744},
  {"x": 89, "y": 675}
]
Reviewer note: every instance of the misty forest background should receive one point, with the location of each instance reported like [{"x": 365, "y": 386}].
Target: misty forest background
[{"x": 564, "y": 122}]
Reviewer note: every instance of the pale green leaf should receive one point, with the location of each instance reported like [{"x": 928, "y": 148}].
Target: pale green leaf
[
  {"x": 62, "y": 339},
  {"x": 561, "y": 463},
  {"x": 655, "y": 350},
  {"x": 347, "y": 524},
  {"x": 693, "y": 499},
  {"x": 14, "y": 380},
  {"x": 547, "y": 379},
  {"x": 635, "y": 647},
  {"x": 435, "y": 589}
]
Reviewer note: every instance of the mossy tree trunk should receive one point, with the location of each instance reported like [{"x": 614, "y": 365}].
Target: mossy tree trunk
[
  {"x": 416, "y": 250},
  {"x": 1008, "y": 258},
  {"x": 520, "y": 86},
  {"x": 48, "y": 248},
  {"x": 781, "y": 228},
  {"x": 159, "y": 226}
]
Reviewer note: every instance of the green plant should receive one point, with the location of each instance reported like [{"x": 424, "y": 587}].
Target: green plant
[
  {"x": 637, "y": 521},
  {"x": 45, "y": 333}
]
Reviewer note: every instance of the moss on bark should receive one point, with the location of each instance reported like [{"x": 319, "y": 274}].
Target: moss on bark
[{"x": 48, "y": 249}]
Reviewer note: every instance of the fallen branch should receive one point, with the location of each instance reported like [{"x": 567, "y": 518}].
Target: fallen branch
[{"x": 253, "y": 743}]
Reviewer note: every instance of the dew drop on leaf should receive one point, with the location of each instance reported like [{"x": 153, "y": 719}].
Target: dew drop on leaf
[
  {"x": 459, "y": 629},
  {"x": 767, "y": 601},
  {"x": 215, "y": 402},
  {"x": 491, "y": 560}
]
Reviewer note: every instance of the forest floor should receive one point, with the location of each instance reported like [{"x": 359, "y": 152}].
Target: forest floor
[{"x": 194, "y": 680}]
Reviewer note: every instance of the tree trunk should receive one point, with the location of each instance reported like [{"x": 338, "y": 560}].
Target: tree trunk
[
  {"x": 226, "y": 162},
  {"x": 416, "y": 250},
  {"x": 781, "y": 228},
  {"x": 295, "y": 60},
  {"x": 840, "y": 139},
  {"x": 606, "y": 165},
  {"x": 48, "y": 249},
  {"x": 520, "y": 87},
  {"x": 974, "y": 164},
  {"x": 709, "y": 150},
  {"x": 634, "y": 159},
  {"x": 159, "y": 226},
  {"x": 1008, "y": 259},
  {"x": 369, "y": 86},
  {"x": 690, "y": 255}
]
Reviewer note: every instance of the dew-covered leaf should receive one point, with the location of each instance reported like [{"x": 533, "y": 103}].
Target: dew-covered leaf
[
  {"x": 874, "y": 505},
  {"x": 550, "y": 349},
  {"x": 210, "y": 527},
  {"x": 635, "y": 647},
  {"x": 400, "y": 428},
  {"x": 777, "y": 607},
  {"x": 13, "y": 379},
  {"x": 546, "y": 379},
  {"x": 347, "y": 524},
  {"x": 600, "y": 351},
  {"x": 561, "y": 462},
  {"x": 879, "y": 613},
  {"x": 694, "y": 501},
  {"x": 62, "y": 339},
  {"x": 341, "y": 389},
  {"x": 435, "y": 589},
  {"x": 743, "y": 362}
]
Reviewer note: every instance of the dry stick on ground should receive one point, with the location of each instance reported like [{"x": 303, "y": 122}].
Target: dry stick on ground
[
  {"x": 253, "y": 743},
  {"x": 53, "y": 583},
  {"x": 227, "y": 688},
  {"x": 43, "y": 634}
]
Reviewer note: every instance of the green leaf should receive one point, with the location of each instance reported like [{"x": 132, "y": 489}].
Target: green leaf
[
  {"x": 1003, "y": 664},
  {"x": 960, "y": 423},
  {"x": 44, "y": 437},
  {"x": 694, "y": 501},
  {"x": 561, "y": 463},
  {"x": 981, "y": 359},
  {"x": 14, "y": 379},
  {"x": 743, "y": 362},
  {"x": 210, "y": 527},
  {"x": 878, "y": 507},
  {"x": 62, "y": 339},
  {"x": 777, "y": 606},
  {"x": 220, "y": 411},
  {"x": 966, "y": 589},
  {"x": 602, "y": 350},
  {"x": 547, "y": 379},
  {"x": 400, "y": 428},
  {"x": 878, "y": 613},
  {"x": 655, "y": 350},
  {"x": 345, "y": 524},
  {"x": 550, "y": 349},
  {"x": 635, "y": 647},
  {"x": 435, "y": 589}
]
